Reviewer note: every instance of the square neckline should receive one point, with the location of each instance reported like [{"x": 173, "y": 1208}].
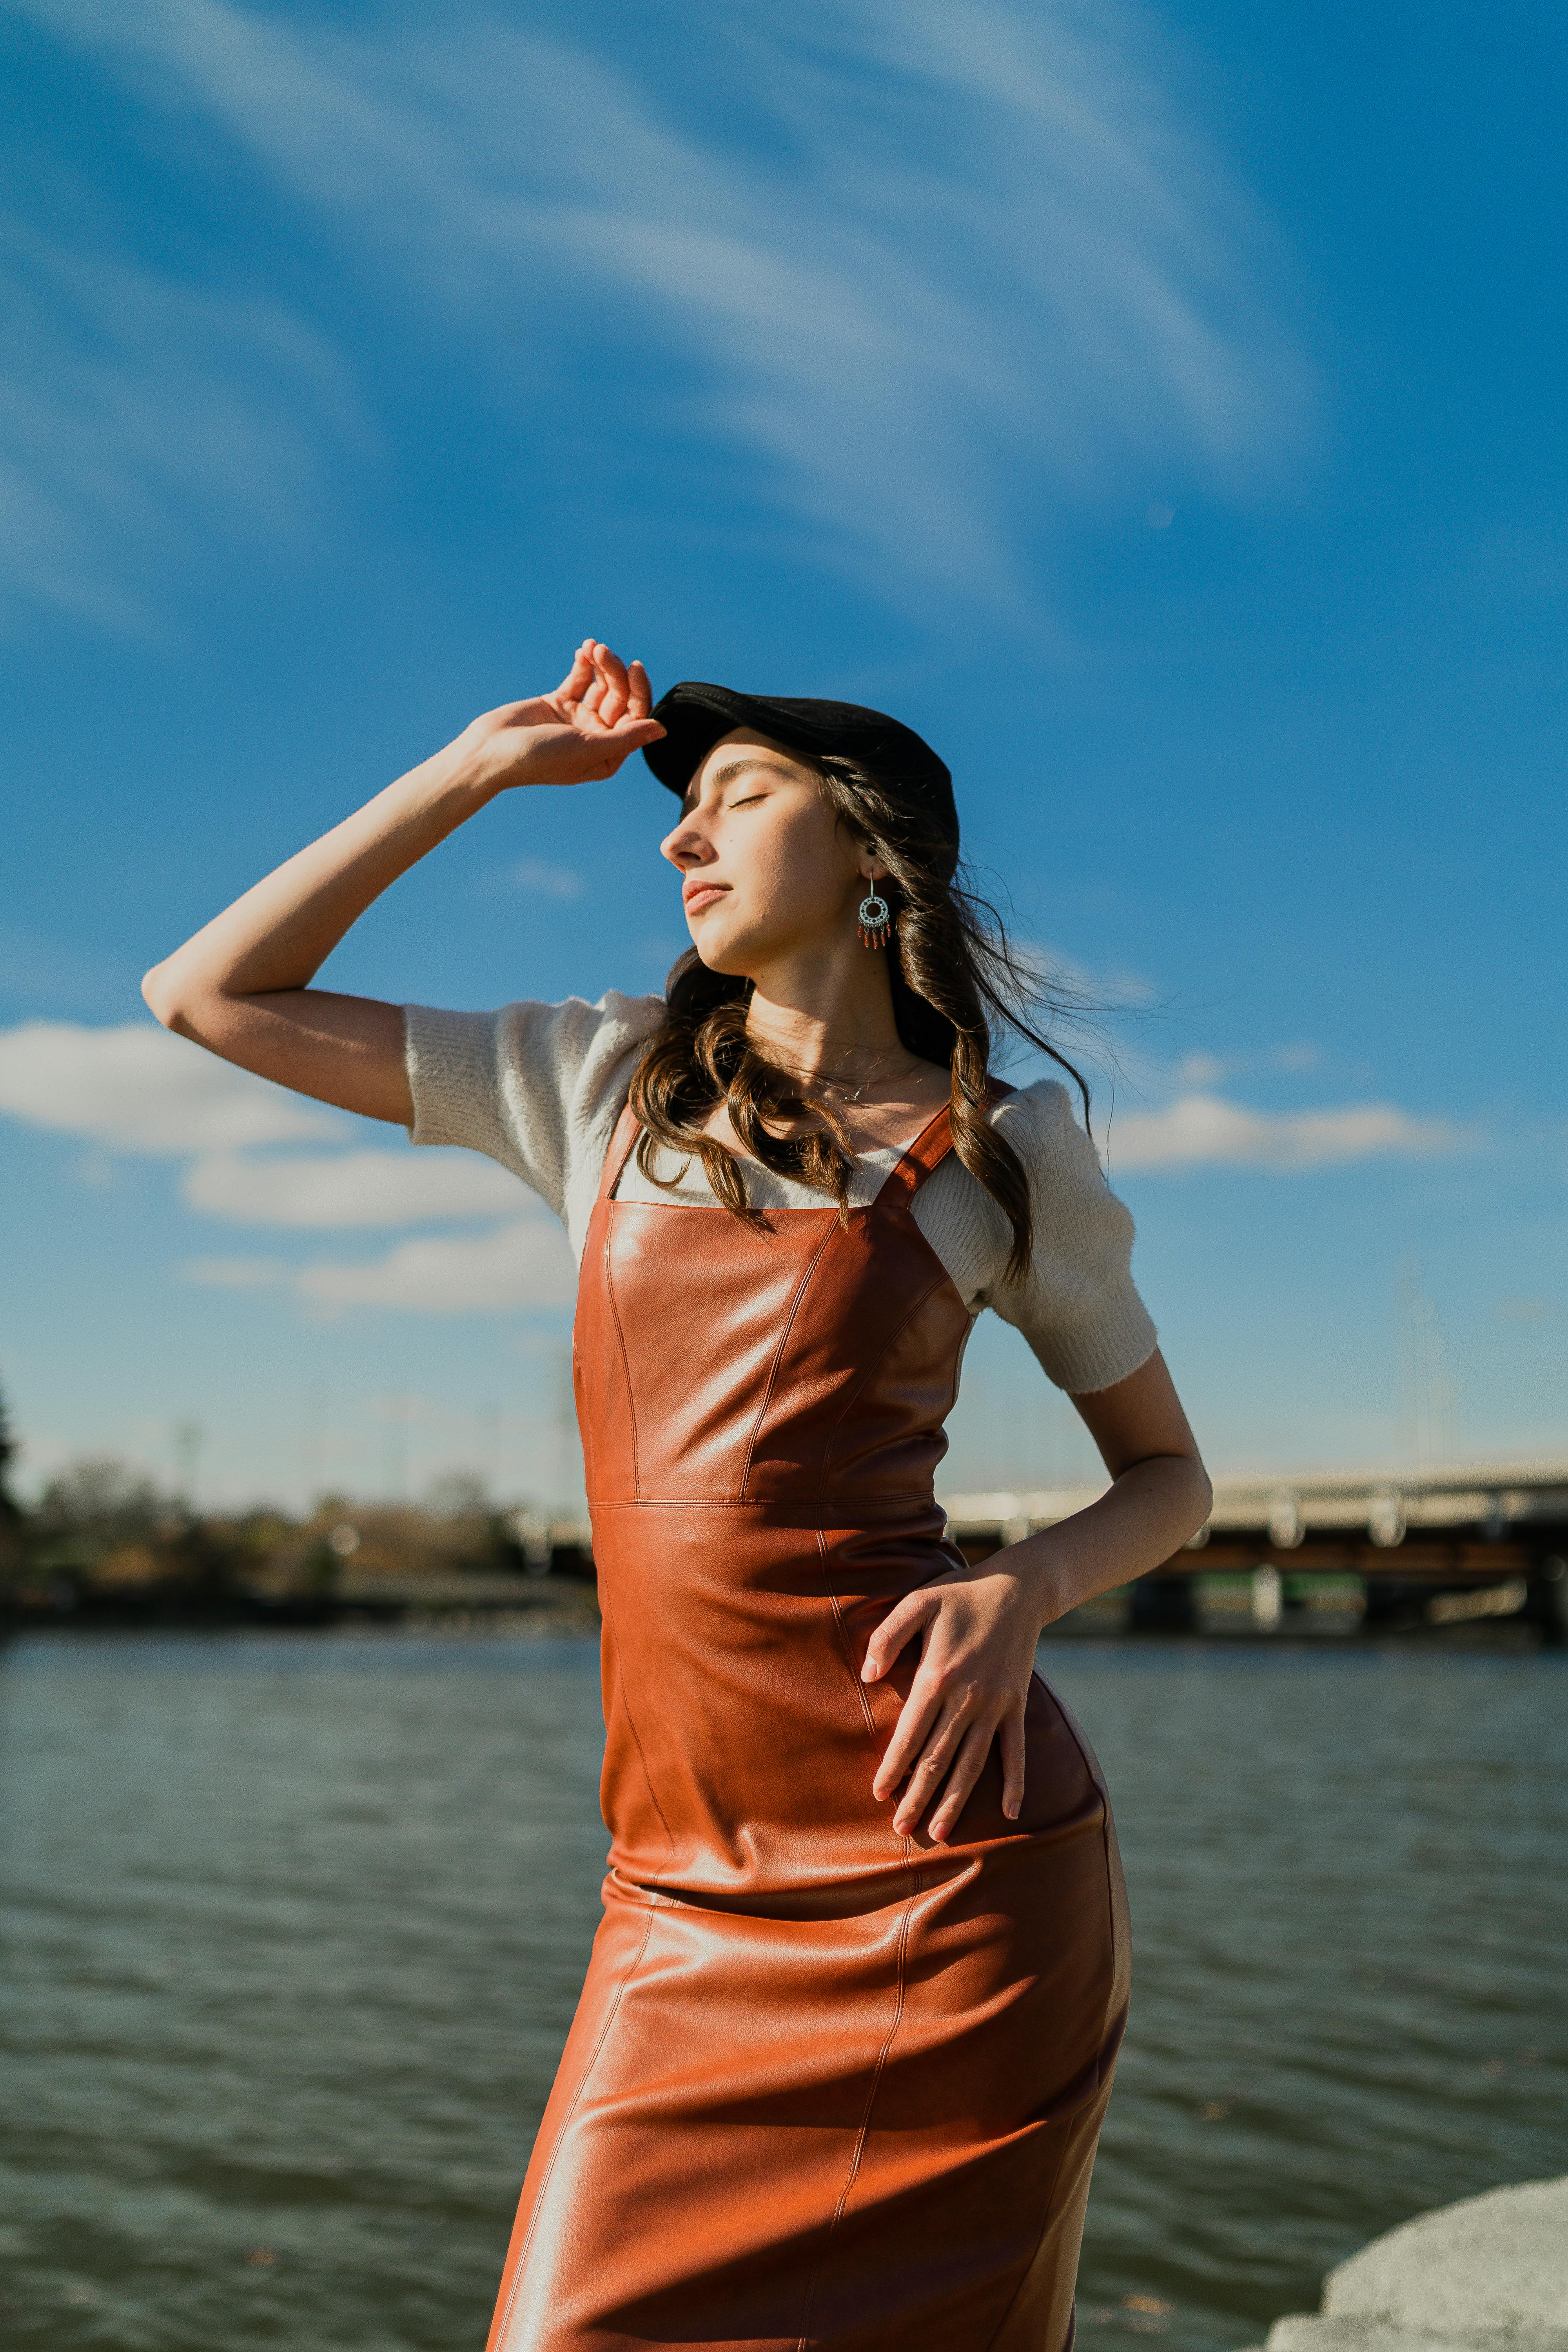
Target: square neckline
[{"x": 897, "y": 1154}]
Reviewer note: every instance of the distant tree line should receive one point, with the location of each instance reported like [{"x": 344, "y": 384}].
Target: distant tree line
[
  {"x": 9, "y": 1512},
  {"x": 104, "y": 1543}
]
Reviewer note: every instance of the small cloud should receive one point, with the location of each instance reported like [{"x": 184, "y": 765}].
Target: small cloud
[
  {"x": 1201, "y": 1129},
  {"x": 136, "y": 1087},
  {"x": 514, "y": 1268},
  {"x": 1202, "y": 1069},
  {"x": 550, "y": 881},
  {"x": 518, "y": 1266},
  {"x": 351, "y": 1188}
]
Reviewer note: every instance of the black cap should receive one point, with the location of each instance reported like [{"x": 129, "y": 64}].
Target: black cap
[{"x": 694, "y": 714}]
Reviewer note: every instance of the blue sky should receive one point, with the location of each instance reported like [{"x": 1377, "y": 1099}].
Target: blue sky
[{"x": 1159, "y": 407}]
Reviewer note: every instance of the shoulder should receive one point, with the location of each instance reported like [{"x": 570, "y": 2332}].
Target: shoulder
[
  {"x": 539, "y": 1086},
  {"x": 1041, "y": 1122},
  {"x": 1076, "y": 1303},
  {"x": 574, "y": 1029},
  {"x": 525, "y": 1049},
  {"x": 572, "y": 1042}
]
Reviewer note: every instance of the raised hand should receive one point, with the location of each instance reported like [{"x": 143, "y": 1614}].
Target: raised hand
[{"x": 596, "y": 718}]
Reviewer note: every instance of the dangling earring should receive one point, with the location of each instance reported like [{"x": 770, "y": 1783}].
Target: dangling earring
[{"x": 875, "y": 924}]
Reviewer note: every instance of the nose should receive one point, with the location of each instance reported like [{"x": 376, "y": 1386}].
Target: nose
[{"x": 687, "y": 846}]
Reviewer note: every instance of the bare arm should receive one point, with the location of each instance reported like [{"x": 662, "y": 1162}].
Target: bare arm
[
  {"x": 1159, "y": 1495},
  {"x": 242, "y": 986},
  {"x": 979, "y": 1628}
]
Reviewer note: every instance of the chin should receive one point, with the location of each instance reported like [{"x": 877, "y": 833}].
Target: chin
[
  {"x": 724, "y": 949},
  {"x": 725, "y": 958}
]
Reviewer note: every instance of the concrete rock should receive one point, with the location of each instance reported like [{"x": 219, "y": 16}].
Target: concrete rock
[{"x": 1489, "y": 2274}]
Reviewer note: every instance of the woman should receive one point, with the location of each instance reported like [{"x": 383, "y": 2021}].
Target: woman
[{"x": 846, "y": 2039}]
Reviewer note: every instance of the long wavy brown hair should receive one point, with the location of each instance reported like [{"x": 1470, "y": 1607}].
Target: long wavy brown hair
[{"x": 958, "y": 987}]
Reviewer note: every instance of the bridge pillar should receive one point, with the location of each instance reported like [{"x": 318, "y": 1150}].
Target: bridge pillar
[
  {"x": 1164, "y": 1604},
  {"x": 1546, "y": 1604},
  {"x": 1267, "y": 1598},
  {"x": 1394, "y": 1604}
]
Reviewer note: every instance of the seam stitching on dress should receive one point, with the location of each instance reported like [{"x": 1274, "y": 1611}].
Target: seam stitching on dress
[
  {"x": 778, "y": 1357},
  {"x": 636, "y": 1736},
  {"x": 803, "y": 2342},
  {"x": 565, "y": 2125},
  {"x": 1039, "y": 2242},
  {"x": 871, "y": 1371},
  {"x": 625, "y": 1359},
  {"x": 615, "y": 1167},
  {"x": 838, "y": 1627}
]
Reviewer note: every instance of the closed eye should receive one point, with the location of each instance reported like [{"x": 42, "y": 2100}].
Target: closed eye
[{"x": 750, "y": 801}]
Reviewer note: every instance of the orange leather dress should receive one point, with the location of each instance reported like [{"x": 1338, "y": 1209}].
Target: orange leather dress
[{"x": 825, "y": 2086}]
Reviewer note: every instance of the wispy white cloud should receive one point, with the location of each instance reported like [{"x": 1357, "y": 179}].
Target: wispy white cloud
[
  {"x": 137, "y": 416},
  {"x": 934, "y": 268},
  {"x": 1203, "y": 1130},
  {"x": 515, "y": 1267},
  {"x": 134, "y": 1088},
  {"x": 351, "y": 1188},
  {"x": 550, "y": 881},
  {"x": 1200, "y": 1068},
  {"x": 520, "y": 1265}
]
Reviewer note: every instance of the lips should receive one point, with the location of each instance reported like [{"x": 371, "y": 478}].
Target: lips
[{"x": 698, "y": 894}]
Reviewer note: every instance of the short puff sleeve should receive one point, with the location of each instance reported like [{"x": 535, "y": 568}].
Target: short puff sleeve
[{"x": 1076, "y": 1303}]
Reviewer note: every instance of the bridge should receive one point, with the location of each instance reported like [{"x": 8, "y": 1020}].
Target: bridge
[{"x": 1468, "y": 1539}]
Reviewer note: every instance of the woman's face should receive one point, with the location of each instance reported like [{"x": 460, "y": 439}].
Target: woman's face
[{"x": 769, "y": 871}]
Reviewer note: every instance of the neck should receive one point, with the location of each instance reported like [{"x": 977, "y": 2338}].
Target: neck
[{"x": 823, "y": 1016}]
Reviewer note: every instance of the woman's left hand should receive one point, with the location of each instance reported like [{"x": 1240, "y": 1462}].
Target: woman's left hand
[{"x": 980, "y": 1626}]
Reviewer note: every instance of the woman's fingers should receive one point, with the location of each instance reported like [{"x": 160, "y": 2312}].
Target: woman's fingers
[
  {"x": 967, "y": 1770},
  {"x": 916, "y": 1722},
  {"x": 578, "y": 679},
  {"x": 600, "y": 695},
  {"x": 930, "y": 1771},
  {"x": 612, "y": 670},
  {"x": 898, "y": 1628},
  {"x": 593, "y": 693}
]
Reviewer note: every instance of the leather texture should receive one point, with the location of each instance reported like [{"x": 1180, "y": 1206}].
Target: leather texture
[{"x": 825, "y": 2087}]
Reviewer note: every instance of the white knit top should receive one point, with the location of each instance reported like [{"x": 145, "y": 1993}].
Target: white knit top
[{"x": 539, "y": 1087}]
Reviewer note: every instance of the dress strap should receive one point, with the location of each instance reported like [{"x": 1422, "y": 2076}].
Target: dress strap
[
  {"x": 627, "y": 1129},
  {"x": 929, "y": 1148}
]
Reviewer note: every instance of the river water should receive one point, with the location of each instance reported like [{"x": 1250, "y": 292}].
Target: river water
[{"x": 293, "y": 1927}]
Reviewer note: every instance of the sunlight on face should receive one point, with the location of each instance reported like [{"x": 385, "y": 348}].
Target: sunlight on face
[{"x": 769, "y": 871}]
